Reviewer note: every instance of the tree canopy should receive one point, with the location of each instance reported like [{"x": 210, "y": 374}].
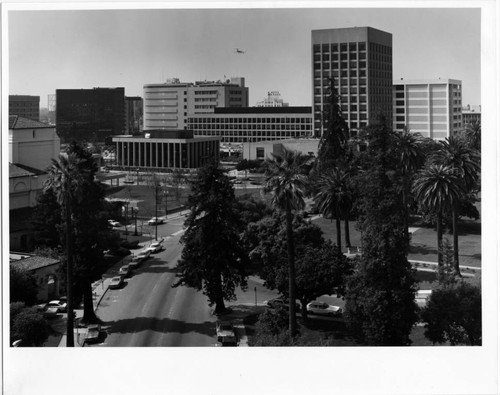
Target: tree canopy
[
  {"x": 23, "y": 286},
  {"x": 213, "y": 259}
]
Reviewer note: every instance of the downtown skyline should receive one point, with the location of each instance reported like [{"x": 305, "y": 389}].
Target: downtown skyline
[{"x": 130, "y": 48}]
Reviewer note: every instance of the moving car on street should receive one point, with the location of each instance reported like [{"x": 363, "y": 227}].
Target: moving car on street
[
  {"x": 116, "y": 282},
  {"x": 156, "y": 221},
  {"x": 322, "y": 308}
]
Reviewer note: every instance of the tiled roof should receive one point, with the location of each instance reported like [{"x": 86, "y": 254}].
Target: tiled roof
[
  {"x": 33, "y": 262},
  {"x": 17, "y": 122},
  {"x": 19, "y": 170}
]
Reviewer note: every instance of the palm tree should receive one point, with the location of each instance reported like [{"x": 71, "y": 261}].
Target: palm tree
[
  {"x": 437, "y": 188},
  {"x": 456, "y": 154},
  {"x": 286, "y": 181},
  {"x": 334, "y": 198},
  {"x": 64, "y": 180},
  {"x": 411, "y": 158}
]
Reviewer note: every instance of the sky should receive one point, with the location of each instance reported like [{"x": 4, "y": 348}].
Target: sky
[{"x": 65, "y": 49}]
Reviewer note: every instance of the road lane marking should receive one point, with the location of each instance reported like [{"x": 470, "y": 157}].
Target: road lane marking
[{"x": 178, "y": 232}]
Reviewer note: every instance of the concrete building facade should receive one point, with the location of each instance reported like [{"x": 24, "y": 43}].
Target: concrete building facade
[
  {"x": 133, "y": 115},
  {"x": 90, "y": 114},
  {"x": 273, "y": 99},
  {"x": 262, "y": 150},
  {"x": 165, "y": 149},
  {"x": 470, "y": 117},
  {"x": 25, "y": 106},
  {"x": 238, "y": 125},
  {"x": 359, "y": 60},
  {"x": 32, "y": 145},
  {"x": 432, "y": 108},
  {"x": 168, "y": 105}
]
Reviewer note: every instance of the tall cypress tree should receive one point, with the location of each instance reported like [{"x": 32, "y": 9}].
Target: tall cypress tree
[{"x": 380, "y": 306}]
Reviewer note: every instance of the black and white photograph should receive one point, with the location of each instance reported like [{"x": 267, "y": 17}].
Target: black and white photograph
[{"x": 308, "y": 185}]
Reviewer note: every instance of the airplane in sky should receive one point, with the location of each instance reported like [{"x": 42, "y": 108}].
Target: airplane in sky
[{"x": 239, "y": 50}]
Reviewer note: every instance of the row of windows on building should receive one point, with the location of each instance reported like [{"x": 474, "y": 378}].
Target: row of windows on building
[
  {"x": 195, "y": 126},
  {"x": 249, "y": 120},
  {"x": 351, "y": 47}
]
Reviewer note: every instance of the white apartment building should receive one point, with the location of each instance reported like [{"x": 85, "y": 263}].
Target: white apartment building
[
  {"x": 168, "y": 105},
  {"x": 273, "y": 99},
  {"x": 432, "y": 108}
]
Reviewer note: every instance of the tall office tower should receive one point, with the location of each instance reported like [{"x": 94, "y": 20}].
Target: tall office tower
[
  {"x": 432, "y": 108},
  {"x": 273, "y": 99},
  {"x": 133, "y": 115},
  {"x": 359, "y": 59},
  {"x": 25, "y": 106},
  {"x": 167, "y": 105},
  {"x": 90, "y": 114},
  {"x": 51, "y": 107}
]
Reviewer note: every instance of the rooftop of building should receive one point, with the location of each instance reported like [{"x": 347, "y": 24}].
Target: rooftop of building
[
  {"x": 30, "y": 262},
  {"x": 262, "y": 110},
  {"x": 179, "y": 134},
  {"x": 19, "y": 170},
  {"x": 17, "y": 122},
  {"x": 24, "y": 97},
  {"x": 175, "y": 82},
  {"x": 402, "y": 81}
]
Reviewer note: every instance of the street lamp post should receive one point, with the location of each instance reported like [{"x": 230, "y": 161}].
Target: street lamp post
[{"x": 136, "y": 211}]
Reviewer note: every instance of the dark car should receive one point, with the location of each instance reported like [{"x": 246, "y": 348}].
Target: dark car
[{"x": 280, "y": 302}]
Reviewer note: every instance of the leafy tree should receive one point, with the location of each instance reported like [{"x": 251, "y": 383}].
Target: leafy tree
[
  {"x": 23, "y": 286},
  {"x": 454, "y": 314},
  {"x": 447, "y": 276},
  {"x": 251, "y": 209},
  {"x": 246, "y": 164},
  {"x": 30, "y": 327},
  {"x": 213, "y": 258},
  {"x": 456, "y": 154},
  {"x": 286, "y": 181},
  {"x": 437, "y": 189},
  {"x": 472, "y": 134},
  {"x": 271, "y": 330},
  {"x": 380, "y": 298}
]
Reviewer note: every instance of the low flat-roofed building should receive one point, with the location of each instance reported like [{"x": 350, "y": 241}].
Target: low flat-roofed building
[
  {"x": 165, "y": 149},
  {"x": 262, "y": 149}
]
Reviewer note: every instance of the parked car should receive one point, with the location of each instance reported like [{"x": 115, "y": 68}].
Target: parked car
[
  {"x": 116, "y": 282},
  {"x": 51, "y": 312},
  {"x": 124, "y": 270},
  {"x": 93, "y": 332},
  {"x": 144, "y": 254},
  {"x": 156, "y": 221},
  {"x": 59, "y": 305},
  {"x": 237, "y": 182},
  {"x": 226, "y": 334},
  {"x": 280, "y": 302},
  {"x": 322, "y": 308},
  {"x": 114, "y": 224},
  {"x": 155, "y": 247},
  {"x": 135, "y": 262}
]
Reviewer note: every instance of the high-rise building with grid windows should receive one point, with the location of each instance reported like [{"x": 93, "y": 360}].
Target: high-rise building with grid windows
[
  {"x": 432, "y": 108},
  {"x": 359, "y": 60}
]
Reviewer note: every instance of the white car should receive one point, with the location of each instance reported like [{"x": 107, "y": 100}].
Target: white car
[
  {"x": 144, "y": 254},
  {"x": 124, "y": 270},
  {"x": 322, "y": 308},
  {"x": 155, "y": 221},
  {"x": 155, "y": 247},
  {"x": 114, "y": 224},
  {"x": 59, "y": 305},
  {"x": 135, "y": 262},
  {"x": 116, "y": 282}
]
